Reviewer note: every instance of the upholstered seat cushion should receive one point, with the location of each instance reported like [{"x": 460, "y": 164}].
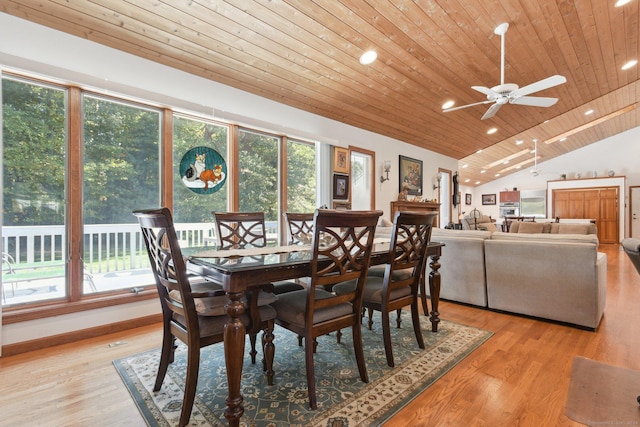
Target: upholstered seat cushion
[
  {"x": 285, "y": 286},
  {"x": 214, "y": 306},
  {"x": 214, "y": 325},
  {"x": 291, "y": 307},
  {"x": 372, "y": 289},
  {"x": 378, "y": 271}
]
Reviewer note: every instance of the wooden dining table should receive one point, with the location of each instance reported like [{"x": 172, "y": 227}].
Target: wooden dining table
[{"x": 238, "y": 270}]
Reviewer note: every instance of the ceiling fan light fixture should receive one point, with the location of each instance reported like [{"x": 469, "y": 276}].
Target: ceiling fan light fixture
[
  {"x": 368, "y": 57},
  {"x": 448, "y": 104}
]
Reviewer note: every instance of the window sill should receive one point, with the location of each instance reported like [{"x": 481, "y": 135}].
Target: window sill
[{"x": 32, "y": 312}]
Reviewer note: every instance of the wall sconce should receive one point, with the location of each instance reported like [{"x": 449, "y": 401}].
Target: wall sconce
[
  {"x": 438, "y": 178},
  {"x": 386, "y": 168}
]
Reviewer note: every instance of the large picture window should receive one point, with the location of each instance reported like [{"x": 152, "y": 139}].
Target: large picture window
[
  {"x": 76, "y": 163},
  {"x": 121, "y": 169},
  {"x": 33, "y": 159}
]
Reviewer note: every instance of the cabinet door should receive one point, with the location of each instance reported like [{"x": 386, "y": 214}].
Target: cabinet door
[{"x": 608, "y": 220}]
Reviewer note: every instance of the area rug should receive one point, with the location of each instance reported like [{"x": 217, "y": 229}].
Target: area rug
[
  {"x": 601, "y": 394},
  {"x": 343, "y": 400}
]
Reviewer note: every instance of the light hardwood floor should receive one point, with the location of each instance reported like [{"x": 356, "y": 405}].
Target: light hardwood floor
[{"x": 519, "y": 377}]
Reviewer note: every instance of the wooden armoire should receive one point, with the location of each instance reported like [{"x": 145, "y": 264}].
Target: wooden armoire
[{"x": 599, "y": 203}]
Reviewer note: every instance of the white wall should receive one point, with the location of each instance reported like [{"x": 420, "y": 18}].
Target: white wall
[
  {"x": 39, "y": 50},
  {"x": 619, "y": 153}
]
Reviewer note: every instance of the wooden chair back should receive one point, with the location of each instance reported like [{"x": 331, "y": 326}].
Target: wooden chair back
[
  {"x": 407, "y": 251},
  {"x": 300, "y": 227},
  {"x": 240, "y": 229},
  {"x": 342, "y": 245}
]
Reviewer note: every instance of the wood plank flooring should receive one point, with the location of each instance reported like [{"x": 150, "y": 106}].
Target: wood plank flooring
[{"x": 520, "y": 377}]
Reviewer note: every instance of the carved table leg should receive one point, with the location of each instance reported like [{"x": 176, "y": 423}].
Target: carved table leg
[
  {"x": 234, "y": 336},
  {"x": 434, "y": 288}
]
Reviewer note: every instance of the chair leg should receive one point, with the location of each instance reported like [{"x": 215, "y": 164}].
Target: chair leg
[
  {"x": 311, "y": 377},
  {"x": 415, "y": 318},
  {"x": 359, "y": 351},
  {"x": 398, "y": 318},
  {"x": 268, "y": 350},
  {"x": 386, "y": 334},
  {"x": 190, "y": 384},
  {"x": 338, "y": 336},
  {"x": 166, "y": 357},
  {"x": 370, "y": 311},
  {"x": 253, "y": 352}
]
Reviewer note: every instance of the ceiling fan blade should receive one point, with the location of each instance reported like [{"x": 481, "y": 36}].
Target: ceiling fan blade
[
  {"x": 491, "y": 94},
  {"x": 535, "y": 101},
  {"x": 537, "y": 86},
  {"x": 491, "y": 111},
  {"x": 465, "y": 106}
]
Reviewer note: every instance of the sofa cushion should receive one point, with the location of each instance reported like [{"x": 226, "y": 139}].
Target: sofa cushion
[
  {"x": 533, "y": 227},
  {"x": 546, "y": 237},
  {"x": 560, "y": 228},
  {"x": 447, "y": 233}
]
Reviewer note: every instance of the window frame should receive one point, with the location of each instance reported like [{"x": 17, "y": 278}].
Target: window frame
[{"x": 76, "y": 301}]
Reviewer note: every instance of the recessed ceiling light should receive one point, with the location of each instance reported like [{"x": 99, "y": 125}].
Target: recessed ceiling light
[
  {"x": 630, "y": 64},
  {"x": 519, "y": 141},
  {"x": 563, "y": 139},
  {"x": 448, "y": 104},
  {"x": 621, "y": 3},
  {"x": 586, "y": 113},
  {"x": 368, "y": 57},
  {"x": 482, "y": 171},
  {"x": 467, "y": 180},
  {"x": 479, "y": 151},
  {"x": 465, "y": 166},
  {"x": 492, "y": 131},
  {"x": 477, "y": 182},
  {"x": 497, "y": 175}
]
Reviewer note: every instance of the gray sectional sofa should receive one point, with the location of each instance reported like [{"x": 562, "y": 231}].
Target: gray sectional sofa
[{"x": 553, "y": 275}]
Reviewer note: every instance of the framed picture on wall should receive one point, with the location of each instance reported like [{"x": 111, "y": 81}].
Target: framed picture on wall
[
  {"x": 467, "y": 199},
  {"x": 340, "y": 160},
  {"x": 488, "y": 199},
  {"x": 410, "y": 175},
  {"x": 340, "y": 186}
]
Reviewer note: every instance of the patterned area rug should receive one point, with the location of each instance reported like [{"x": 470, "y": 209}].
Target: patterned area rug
[{"x": 343, "y": 400}]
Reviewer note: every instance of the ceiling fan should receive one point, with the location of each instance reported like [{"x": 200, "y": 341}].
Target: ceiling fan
[
  {"x": 510, "y": 92},
  {"x": 535, "y": 171}
]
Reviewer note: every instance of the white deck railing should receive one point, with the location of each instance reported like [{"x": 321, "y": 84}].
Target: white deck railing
[{"x": 107, "y": 247}]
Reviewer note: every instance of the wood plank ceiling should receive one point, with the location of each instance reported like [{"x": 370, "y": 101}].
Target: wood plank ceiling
[{"x": 306, "y": 54}]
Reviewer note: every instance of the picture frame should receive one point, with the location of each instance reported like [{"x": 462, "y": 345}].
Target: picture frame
[
  {"x": 340, "y": 186},
  {"x": 489, "y": 199},
  {"x": 340, "y": 160},
  {"x": 467, "y": 198},
  {"x": 410, "y": 175}
]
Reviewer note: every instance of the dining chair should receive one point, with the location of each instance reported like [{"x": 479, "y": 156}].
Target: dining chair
[
  {"x": 240, "y": 229},
  {"x": 194, "y": 313},
  {"x": 398, "y": 287},
  {"x": 247, "y": 229},
  {"x": 300, "y": 227},
  {"x": 341, "y": 250}
]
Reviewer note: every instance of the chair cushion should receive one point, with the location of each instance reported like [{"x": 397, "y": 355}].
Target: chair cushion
[
  {"x": 214, "y": 325},
  {"x": 291, "y": 307},
  {"x": 214, "y": 306},
  {"x": 372, "y": 289},
  {"x": 378, "y": 271},
  {"x": 285, "y": 286}
]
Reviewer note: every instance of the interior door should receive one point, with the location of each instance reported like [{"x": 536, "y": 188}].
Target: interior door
[{"x": 634, "y": 210}]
